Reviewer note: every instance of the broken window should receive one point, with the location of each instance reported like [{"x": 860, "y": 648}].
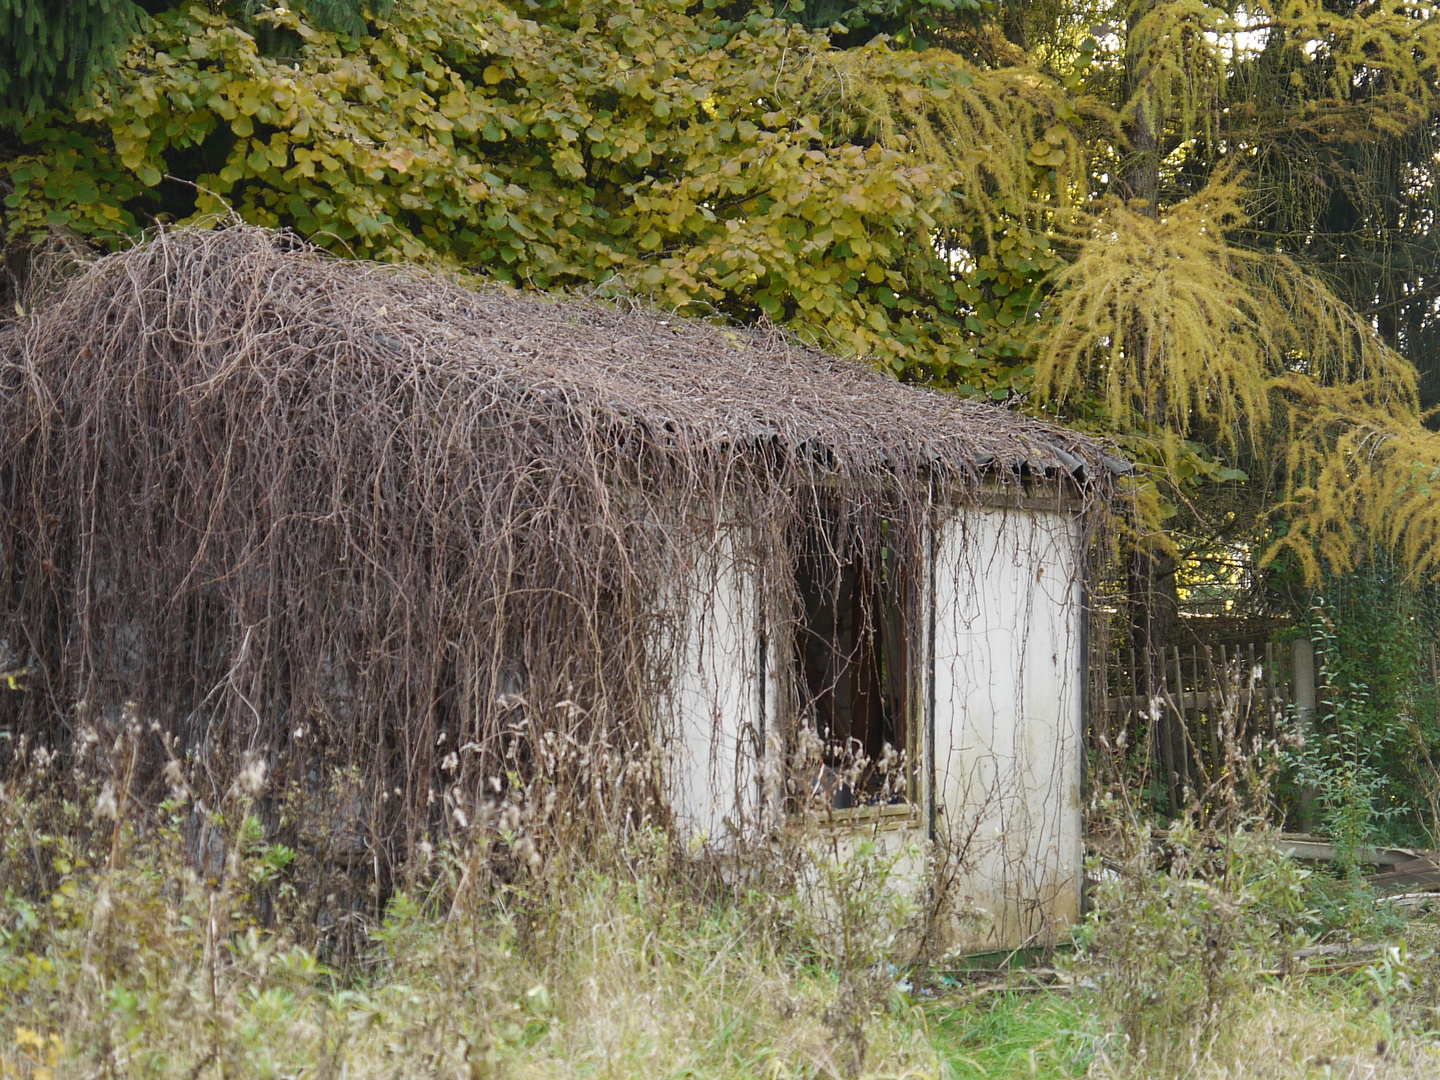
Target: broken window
[{"x": 853, "y": 666}]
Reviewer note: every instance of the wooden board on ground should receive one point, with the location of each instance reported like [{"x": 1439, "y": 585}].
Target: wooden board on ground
[{"x": 1417, "y": 875}]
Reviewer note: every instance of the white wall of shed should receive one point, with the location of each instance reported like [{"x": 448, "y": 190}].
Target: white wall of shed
[
  {"x": 1008, "y": 687},
  {"x": 1008, "y": 723},
  {"x": 712, "y": 765}
]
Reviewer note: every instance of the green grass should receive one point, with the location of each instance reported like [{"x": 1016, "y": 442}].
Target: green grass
[
  {"x": 133, "y": 966},
  {"x": 1296, "y": 1029},
  {"x": 1043, "y": 1034}
]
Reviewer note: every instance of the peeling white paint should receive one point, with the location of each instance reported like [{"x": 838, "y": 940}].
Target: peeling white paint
[{"x": 1008, "y": 688}]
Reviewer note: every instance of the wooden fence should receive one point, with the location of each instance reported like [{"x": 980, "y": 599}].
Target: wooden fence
[{"x": 1193, "y": 707}]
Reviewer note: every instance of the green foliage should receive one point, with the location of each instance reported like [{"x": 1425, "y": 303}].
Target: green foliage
[
  {"x": 851, "y": 903},
  {"x": 1179, "y": 929},
  {"x": 933, "y": 211},
  {"x": 1346, "y": 907},
  {"x": 909, "y": 23},
  {"x": 345, "y": 16},
  {"x": 118, "y": 957},
  {"x": 1016, "y": 1034},
  {"x": 1339, "y": 758},
  {"x": 1369, "y": 754},
  {"x": 634, "y": 147},
  {"x": 50, "y": 50},
  {"x": 1293, "y": 1029}
]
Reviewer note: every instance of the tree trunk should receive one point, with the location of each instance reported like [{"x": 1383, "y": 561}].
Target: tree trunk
[
  {"x": 1140, "y": 171},
  {"x": 1154, "y": 598}
]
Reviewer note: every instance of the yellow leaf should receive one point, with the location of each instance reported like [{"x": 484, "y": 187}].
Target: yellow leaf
[
  {"x": 494, "y": 74},
  {"x": 25, "y": 1037}
]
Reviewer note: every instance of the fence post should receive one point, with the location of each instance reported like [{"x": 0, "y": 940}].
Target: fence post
[{"x": 1302, "y": 669}]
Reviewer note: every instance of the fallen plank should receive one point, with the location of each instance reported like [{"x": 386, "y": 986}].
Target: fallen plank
[
  {"x": 1306, "y": 970},
  {"x": 1413, "y": 899},
  {"x": 1421, "y": 874},
  {"x": 1336, "y": 950},
  {"x": 1309, "y": 848}
]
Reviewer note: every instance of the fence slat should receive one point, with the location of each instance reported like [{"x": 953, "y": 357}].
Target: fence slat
[
  {"x": 1181, "y": 732},
  {"x": 1271, "y": 698},
  {"x": 1132, "y": 724},
  {"x": 1187, "y": 742}
]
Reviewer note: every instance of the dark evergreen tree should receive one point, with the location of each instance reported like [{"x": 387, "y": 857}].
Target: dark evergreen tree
[
  {"x": 343, "y": 16},
  {"x": 51, "y": 49}
]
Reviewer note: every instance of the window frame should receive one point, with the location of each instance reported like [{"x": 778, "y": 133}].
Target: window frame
[{"x": 778, "y": 716}]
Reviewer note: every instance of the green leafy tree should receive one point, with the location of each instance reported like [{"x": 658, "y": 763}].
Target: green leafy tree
[
  {"x": 52, "y": 50},
  {"x": 344, "y": 16},
  {"x": 911, "y": 24},
  {"x": 755, "y": 172},
  {"x": 1077, "y": 206}
]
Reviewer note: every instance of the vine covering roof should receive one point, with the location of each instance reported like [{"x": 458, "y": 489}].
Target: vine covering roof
[{"x": 246, "y": 296}]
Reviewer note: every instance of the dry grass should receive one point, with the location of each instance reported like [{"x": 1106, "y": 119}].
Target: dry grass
[
  {"x": 1302, "y": 1028},
  {"x": 1297, "y": 1030},
  {"x": 118, "y": 959}
]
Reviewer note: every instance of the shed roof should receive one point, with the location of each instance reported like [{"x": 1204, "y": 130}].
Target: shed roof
[{"x": 233, "y": 291}]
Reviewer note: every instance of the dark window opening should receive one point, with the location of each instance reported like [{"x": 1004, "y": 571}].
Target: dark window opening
[{"x": 853, "y": 678}]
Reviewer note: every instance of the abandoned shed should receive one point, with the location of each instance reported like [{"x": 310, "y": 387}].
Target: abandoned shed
[{"x": 446, "y": 542}]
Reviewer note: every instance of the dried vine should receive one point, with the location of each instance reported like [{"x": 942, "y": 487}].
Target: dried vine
[{"x": 341, "y": 516}]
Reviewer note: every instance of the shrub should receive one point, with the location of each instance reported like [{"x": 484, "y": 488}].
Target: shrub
[{"x": 1180, "y": 924}]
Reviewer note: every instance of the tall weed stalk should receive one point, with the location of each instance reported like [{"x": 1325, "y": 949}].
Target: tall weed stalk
[
  {"x": 1180, "y": 923},
  {"x": 180, "y": 940}
]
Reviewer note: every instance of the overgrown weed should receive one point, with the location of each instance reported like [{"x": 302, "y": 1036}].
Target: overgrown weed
[
  {"x": 1189, "y": 963},
  {"x": 1014, "y": 1033},
  {"x": 119, "y": 957},
  {"x": 1293, "y": 1028},
  {"x": 1181, "y": 926},
  {"x": 1343, "y": 909},
  {"x": 181, "y": 940}
]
